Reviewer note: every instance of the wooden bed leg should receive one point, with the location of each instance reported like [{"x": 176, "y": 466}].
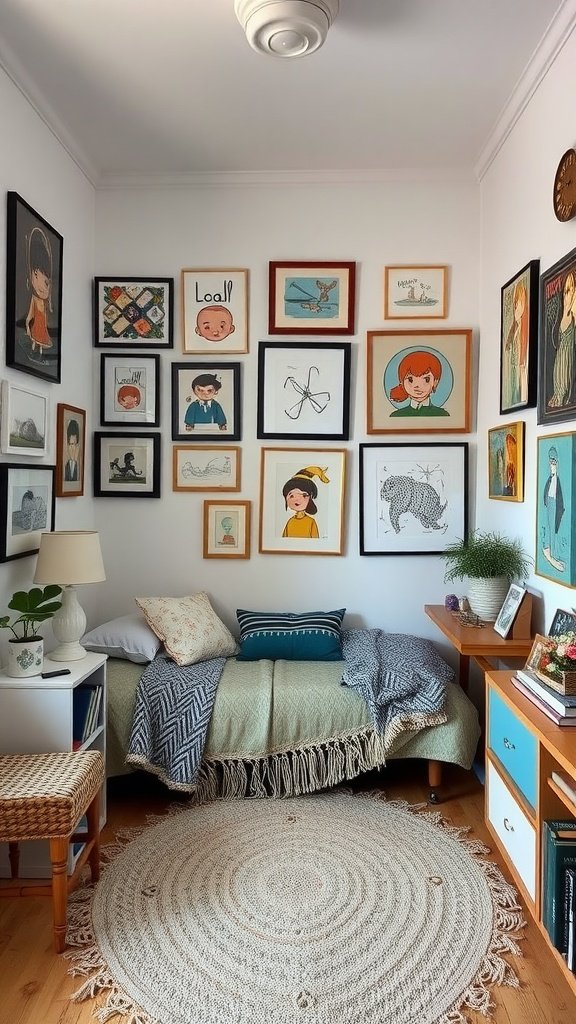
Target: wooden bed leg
[{"x": 434, "y": 780}]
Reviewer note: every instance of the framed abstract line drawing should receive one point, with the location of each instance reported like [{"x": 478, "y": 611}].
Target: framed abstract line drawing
[
  {"x": 413, "y": 497},
  {"x": 214, "y": 311},
  {"x": 311, "y": 298},
  {"x": 206, "y": 401},
  {"x": 304, "y": 390},
  {"x": 506, "y": 462},
  {"x": 518, "y": 339},
  {"x": 33, "y": 292},
  {"x": 126, "y": 465},
  {"x": 70, "y": 450},
  {"x": 198, "y": 467},
  {"x": 417, "y": 292},
  {"x": 557, "y": 361},
  {"x": 27, "y": 505},
  {"x": 24, "y": 422},
  {"x": 129, "y": 389},
  {"x": 555, "y": 508},
  {"x": 302, "y": 501},
  {"x": 418, "y": 381},
  {"x": 226, "y": 529},
  {"x": 137, "y": 311}
]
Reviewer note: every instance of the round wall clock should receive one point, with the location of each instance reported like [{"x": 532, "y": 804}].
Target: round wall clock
[{"x": 564, "y": 195}]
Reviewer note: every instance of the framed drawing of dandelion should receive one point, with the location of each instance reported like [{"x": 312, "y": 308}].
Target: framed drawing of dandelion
[{"x": 303, "y": 390}]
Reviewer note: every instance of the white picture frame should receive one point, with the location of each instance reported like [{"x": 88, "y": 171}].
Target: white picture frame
[
  {"x": 509, "y": 609},
  {"x": 416, "y": 292},
  {"x": 24, "y": 420}
]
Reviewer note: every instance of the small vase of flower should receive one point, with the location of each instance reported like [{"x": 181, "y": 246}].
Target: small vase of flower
[{"x": 557, "y": 665}]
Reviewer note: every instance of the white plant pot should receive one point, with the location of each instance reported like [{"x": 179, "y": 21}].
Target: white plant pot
[
  {"x": 486, "y": 596},
  {"x": 25, "y": 657}
]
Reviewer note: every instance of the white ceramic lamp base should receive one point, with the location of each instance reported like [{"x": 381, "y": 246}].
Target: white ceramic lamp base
[{"x": 68, "y": 625}]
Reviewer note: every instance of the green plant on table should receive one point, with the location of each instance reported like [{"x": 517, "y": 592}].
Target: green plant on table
[
  {"x": 35, "y": 606},
  {"x": 485, "y": 555}
]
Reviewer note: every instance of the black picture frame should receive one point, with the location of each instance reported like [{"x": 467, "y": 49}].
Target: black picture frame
[
  {"x": 304, "y": 390},
  {"x": 137, "y": 476},
  {"x": 27, "y": 507},
  {"x": 519, "y": 340},
  {"x": 563, "y": 622},
  {"x": 130, "y": 389},
  {"x": 226, "y": 407},
  {"x": 557, "y": 364},
  {"x": 33, "y": 294},
  {"x": 133, "y": 312}
]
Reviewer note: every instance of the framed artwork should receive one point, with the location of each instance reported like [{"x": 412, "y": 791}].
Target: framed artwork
[
  {"x": 415, "y": 292},
  {"x": 413, "y": 497},
  {"x": 126, "y": 465},
  {"x": 198, "y": 467},
  {"x": 506, "y": 462},
  {"x": 540, "y": 648},
  {"x": 137, "y": 311},
  {"x": 311, "y": 298},
  {"x": 304, "y": 390},
  {"x": 70, "y": 450},
  {"x": 226, "y": 529},
  {"x": 555, "y": 508},
  {"x": 302, "y": 501},
  {"x": 129, "y": 389},
  {"x": 557, "y": 365},
  {"x": 27, "y": 505},
  {"x": 206, "y": 401},
  {"x": 24, "y": 421},
  {"x": 563, "y": 622},
  {"x": 215, "y": 310},
  {"x": 509, "y": 609},
  {"x": 33, "y": 292},
  {"x": 418, "y": 381},
  {"x": 518, "y": 339}
]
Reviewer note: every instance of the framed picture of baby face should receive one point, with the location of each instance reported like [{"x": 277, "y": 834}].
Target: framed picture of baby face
[
  {"x": 70, "y": 450},
  {"x": 33, "y": 292},
  {"x": 226, "y": 529},
  {"x": 557, "y": 360},
  {"x": 27, "y": 505},
  {"x": 134, "y": 311},
  {"x": 518, "y": 339},
  {"x": 302, "y": 501},
  {"x": 129, "y": 389},
  {"x": 506, "y": 462},
  {"x": 418, "y": 381},
  {"x": 215, "y": 311},
  {"x": 126, "y": 465},
  {"x": 555, "y": 507},
  {"x": 206, "y": 401},
  {"x": 311, "y": 298}
]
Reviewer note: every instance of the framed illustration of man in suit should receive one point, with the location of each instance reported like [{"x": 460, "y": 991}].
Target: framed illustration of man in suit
[{"x": 70, "y": 450}]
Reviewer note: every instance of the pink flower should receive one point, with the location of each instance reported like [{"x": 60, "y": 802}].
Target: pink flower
[{"x": 571, "y": 652}]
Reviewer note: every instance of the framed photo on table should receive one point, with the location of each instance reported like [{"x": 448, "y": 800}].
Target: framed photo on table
[
  {"x": 27, "y": 505},
  {"x": 415, "y": 292},
  {"x": 215, "y": 311},
  {"x": 563, "y": 622},
  {"x": 24, "y": 420},
  {"x": 509, "y": 609},
  {"x": 311, "y": 298},
  {"x": 519, "y": 339},
  {"x": 226, "y": 529},
  {"x": 126, "y": 465},
  {"x": 198, "y": 467},
  {"x": 304, "y": 390},
  {"x": 134, "y": 311},
  {"x": 129, "y": 389},
  {"x": 206, "y": 401},
  {"x": 506, "y": 462},
  {"x": 302, "y": 501},
  {"x": 557, "y": 359},
  {"x": 70, "y": 450}
]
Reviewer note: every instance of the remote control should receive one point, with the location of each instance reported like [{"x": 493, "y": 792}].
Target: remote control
[{"x": 57, "y": 672}]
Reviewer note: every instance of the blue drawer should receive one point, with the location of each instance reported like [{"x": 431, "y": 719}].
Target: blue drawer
[{"x": 514, "y": 746}]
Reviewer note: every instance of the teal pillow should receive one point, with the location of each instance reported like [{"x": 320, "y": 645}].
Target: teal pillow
[{"x": 310, "y": 636}]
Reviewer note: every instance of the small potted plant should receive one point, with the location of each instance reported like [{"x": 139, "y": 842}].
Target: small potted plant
[
  {"x": 25, "y": 647},
  {"x": 489, "y": 561}
]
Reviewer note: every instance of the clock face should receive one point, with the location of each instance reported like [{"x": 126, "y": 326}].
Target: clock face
[{"x": 564, "y": 196}]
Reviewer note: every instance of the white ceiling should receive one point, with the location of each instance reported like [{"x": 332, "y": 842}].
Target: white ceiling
[{"x": 156, "y": 88}]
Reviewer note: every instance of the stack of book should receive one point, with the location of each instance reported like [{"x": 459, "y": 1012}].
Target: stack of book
[
  {"x": 559, "y": 887},
  {"x": 87, "y": 703},
  {"x": 556, "y": 706}
]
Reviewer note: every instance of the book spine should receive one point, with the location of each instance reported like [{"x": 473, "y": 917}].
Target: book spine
[
  {"x": 563, "y": 705},
  {"x": 558, "y": 855},
  {"x": 570, "y": 918},
  {"x": 535, "y": 700}
]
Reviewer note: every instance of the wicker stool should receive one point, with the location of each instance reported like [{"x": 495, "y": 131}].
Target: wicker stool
[{"x": 43, "y": 796}]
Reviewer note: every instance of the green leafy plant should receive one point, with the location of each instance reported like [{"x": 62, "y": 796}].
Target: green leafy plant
[
  {"x": 485, "y": 555},
  {"x": 35, "y": 606}
]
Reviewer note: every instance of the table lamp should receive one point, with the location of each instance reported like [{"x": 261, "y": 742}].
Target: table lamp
[{"x": 69, "y": 558}]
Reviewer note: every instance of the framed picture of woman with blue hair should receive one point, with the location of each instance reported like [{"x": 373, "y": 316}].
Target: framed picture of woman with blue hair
[{"x": 555, "y": 504}]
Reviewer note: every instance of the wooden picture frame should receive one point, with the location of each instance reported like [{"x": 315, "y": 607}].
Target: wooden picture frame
[
  {"x": 519, "y": 339},
  {"x": 555, "y": 508},
  {"x": 70, "y": 450},
  {"x": 27, "y": 508},
  {"x": 302, "y": 501},
  {"x": 506, "y": 461},
  {"x": 307, "y": 297},
  {"x": 304, "y": 390},
  {"x": 557, "y": 366},
  {"x": 413, "y": 497},
  {"x": 198, "y": 467},
  {"x": 214, "y": 310},
  {"x": 416, "y": 292},
  {"x": 206, "y": 401},
  {"x": 134, "y": 311},
  {"x": 436, "y": 367},
  {"x": 509, "y": 610},
  {"x": 129, "y": 389},
  {"x": 226, "y": 529},
  {"x": 126, "y": 465},
  {"x": 34, "y": 254},
  {"x": 24, "y": 420}
]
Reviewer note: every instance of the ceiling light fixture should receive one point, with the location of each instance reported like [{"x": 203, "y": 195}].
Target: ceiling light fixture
[{"x": 286, "y": 28}]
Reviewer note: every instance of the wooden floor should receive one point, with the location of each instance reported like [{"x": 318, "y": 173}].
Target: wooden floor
[{"x": 34, "y": 985}]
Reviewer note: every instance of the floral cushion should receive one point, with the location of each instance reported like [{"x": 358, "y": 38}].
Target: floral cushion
[{"x": 188, "y": 627}]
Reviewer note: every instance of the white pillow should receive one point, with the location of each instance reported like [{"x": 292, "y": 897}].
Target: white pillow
[
  {"x": 128, "y": 637},
  {"x": 188, "y": 627}
]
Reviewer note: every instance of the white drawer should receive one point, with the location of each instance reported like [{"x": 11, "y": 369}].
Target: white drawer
[{"x": 515, "y": 831}]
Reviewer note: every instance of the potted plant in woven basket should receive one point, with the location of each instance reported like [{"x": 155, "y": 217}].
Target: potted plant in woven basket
[
  {"x": 490, "y": 562},
  {"x": 26, "y": 647}
]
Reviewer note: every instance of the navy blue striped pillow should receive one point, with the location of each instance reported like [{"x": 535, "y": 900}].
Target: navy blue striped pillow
[{"x": 310, "y": 636}]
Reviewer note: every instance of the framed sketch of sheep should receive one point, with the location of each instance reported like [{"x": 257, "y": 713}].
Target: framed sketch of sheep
[
  {"x": 26, "y": 508},
  {"x": 413, "y": 497}
]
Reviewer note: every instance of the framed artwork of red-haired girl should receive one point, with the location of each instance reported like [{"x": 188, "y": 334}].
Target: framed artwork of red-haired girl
[{"x": 518, "y": 339}]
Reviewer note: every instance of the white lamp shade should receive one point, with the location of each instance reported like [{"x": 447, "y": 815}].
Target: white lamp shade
[{"x": 69, "y": 557}]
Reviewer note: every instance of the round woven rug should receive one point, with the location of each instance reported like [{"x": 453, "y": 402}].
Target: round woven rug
[{"x": 332, "y": 909}]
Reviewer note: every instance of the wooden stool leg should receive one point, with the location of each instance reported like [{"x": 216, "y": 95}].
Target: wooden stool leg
[
  {"x": 14, "y": 858},
  {"x": 434, "y": 779},
  {"x": 93, "y": 819},
  {"x": 59, "y": 857}
]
